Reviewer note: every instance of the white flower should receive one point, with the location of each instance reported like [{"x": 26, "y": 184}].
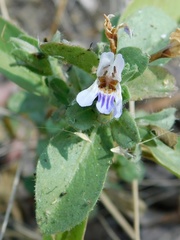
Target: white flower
[{"x": 106, "y": 87}]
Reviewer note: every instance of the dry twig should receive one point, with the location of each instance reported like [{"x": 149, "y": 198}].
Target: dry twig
[
  {"x": 117, "y": 215},
  {"x": 4, "y": 10},
  {"x": 58, "y": 16},
  {"x": 108, "y": 228}
]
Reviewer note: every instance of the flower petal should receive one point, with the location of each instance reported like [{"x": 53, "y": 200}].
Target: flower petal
[
  {"x": 105, "y": 103},
  {"x": 106, "y": 60},
  {"x": 86, "y": 97},
  {"x": 118, "y": 110},
  {"x": 118, "y": 103},
  {"x": 119, "y": 65}
]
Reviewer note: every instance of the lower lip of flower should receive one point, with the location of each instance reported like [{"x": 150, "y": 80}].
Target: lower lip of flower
[{"x": 107, "y": 100}]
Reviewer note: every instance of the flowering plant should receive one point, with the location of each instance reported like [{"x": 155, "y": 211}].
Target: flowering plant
[
  {"x": 106, "y": 87},
  {"x": 83, "y": 141}
]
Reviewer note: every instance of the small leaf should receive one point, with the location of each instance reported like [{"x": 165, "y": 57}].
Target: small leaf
[
  {"x": 60, "y": 89},
  {"x": 125, "y": 131},
  {"x": 24, "y": 45},
  {"x": 81, "y": 118},
  {"x": 79, "y": 80},
  {"x": 75, "y": 55},
  {"x": 129, "y": 170},
  {"x": 28, "y": 55},
  {"x": 136, "y": 59},
  {"x": 36, "y": 62},
  {"x": 154, "y": 82},
  {"x": 165, "y": 156},
  {"x": 129, "y": 72},
  {"x": 30, "y": 40},
  {"x": 70, "y": 176}
]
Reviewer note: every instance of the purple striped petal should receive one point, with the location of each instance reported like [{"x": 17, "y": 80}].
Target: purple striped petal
[{"x": 105, "y": 103}]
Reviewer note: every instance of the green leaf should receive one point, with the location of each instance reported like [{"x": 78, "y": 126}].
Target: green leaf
[
  {"x": 136, "y": 60},
  {"x": 125, "y": 131},
  {"x": 129, "y": 72},
  {"x": 81, "y": 118},
  {"x": 25, "y": 43},
  {"x": 170, "y": 7},
  {"x": 164, "y": 119},
  {"x": 29, "y": 104},
  {"x": 129, "y": 170},
  {"x": 27, "y": 39},
  {"x": 154, "y": 82},
  {"x": 151, "y": 29},
  {"x": 20, "y": 75},
  {"x": 70, "y": 177},
  {"x": 27, "y": 54},
  {"x": 79, "y": 79},
  {"x": 177, "y": 147},
  {"x": 78, "y": 56},
  {"x": 60, "y": 89},
  {"x": 125, "y": 94},
  {"x": 76, "y": 233},
  {"x": 35, "y": 62},
  {"x": 29, "y": 183},
  {"x": 165, "y": 156}
]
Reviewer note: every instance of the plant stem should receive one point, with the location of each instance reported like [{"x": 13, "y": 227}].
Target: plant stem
[
  {"x": 135, "y": 191},
  {"x": 136, "y": 209}
]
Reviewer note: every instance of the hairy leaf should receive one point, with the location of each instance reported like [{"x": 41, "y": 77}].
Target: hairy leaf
[
  {"x": 170, "y": 7},
  {"x": 81, "y": 118},
  {"x": 154, "y": 82},
  {"x": 23, "y": 77},
  {"x": 137, "y": 61},
  {"x": 151, "y": 28},
  {"x": 164, "y": 119},
  {"x": 78, "y": 56},
  {"x": 125, "y": 131},
  {"x": 70, "y": 177},
  {"x": 165, "y": 156}
]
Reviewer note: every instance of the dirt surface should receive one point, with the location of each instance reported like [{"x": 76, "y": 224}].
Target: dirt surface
[{"x": 81, "y": 22}]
